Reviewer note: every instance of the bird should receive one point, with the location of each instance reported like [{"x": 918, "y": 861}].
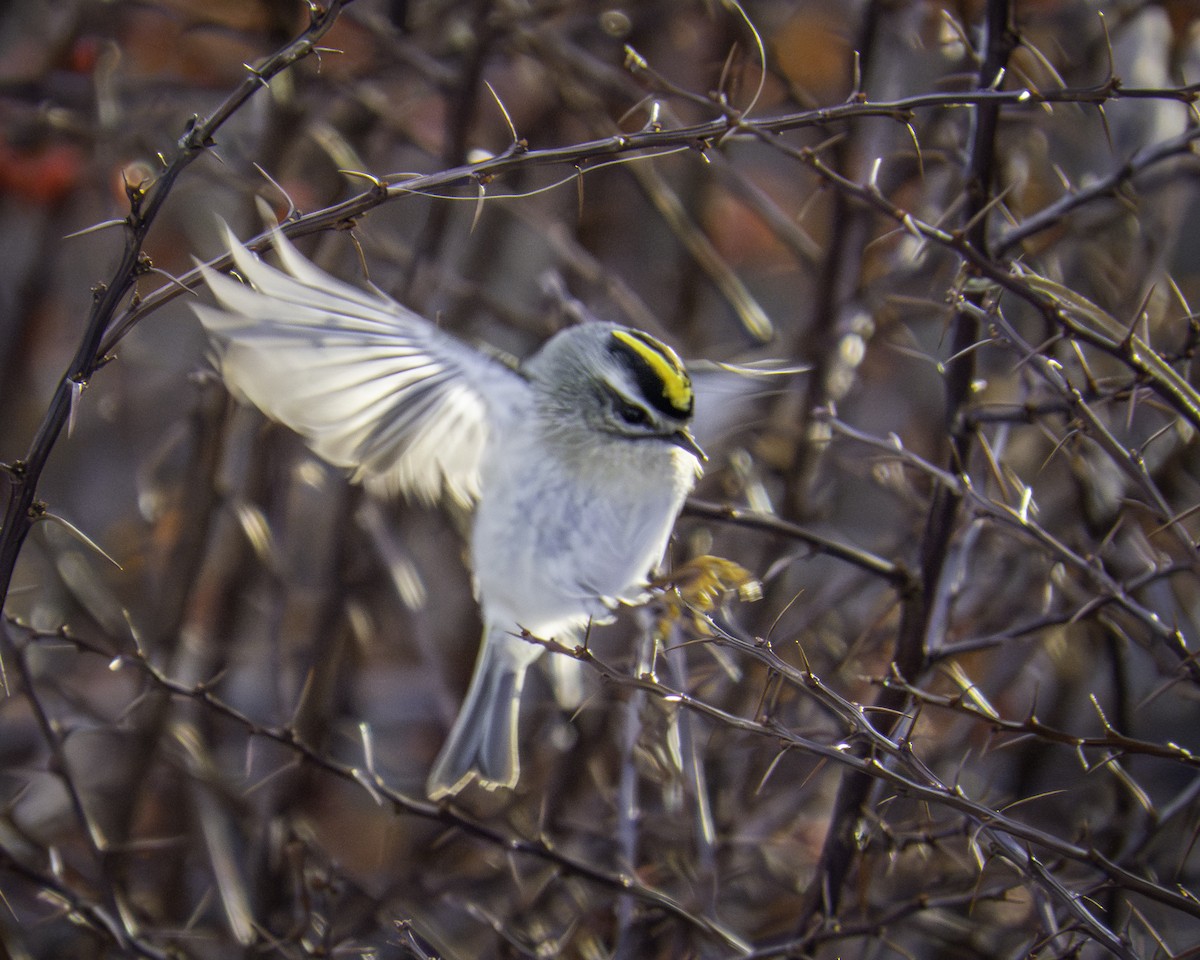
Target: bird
[{"x": 574, "y": 463}]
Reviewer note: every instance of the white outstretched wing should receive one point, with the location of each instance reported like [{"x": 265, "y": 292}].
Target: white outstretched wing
[{"x": 369, "y": 384}]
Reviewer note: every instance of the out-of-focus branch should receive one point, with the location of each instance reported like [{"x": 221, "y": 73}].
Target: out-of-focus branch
[
  {"x": 884, "y": 761},
  {"x": 921, "y": 605},
  {"x": 1037, "y": 625},
  {"x": 52, "y": 735},
  {"x": 462, "y": 182},
  {"x": 895, "y": 573},
  {"x": 1109, "y": 589},
  {"x": 887, "y": 761},
  {"x": 1112, "y": 741},
  {"x": 1024, "y": 501},
  {"x": 83, "y": 910},
  {"x": 869, "y": 929},
  {"x": 1100, "y": 188},
  {"x": 202, "y": 694},
  {"x": 837, "y": 290},
  {"x": 1060, "y": 310},
  {"x": 146, "y": 201}
]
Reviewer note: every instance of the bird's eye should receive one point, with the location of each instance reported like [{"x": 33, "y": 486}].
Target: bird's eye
[{"x": 632, "y": 414}]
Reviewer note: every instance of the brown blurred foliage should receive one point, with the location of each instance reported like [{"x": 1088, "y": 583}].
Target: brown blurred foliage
[{"x": 960, "y": 721}]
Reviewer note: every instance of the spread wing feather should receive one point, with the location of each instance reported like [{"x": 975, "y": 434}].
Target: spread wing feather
[{"x": 369, "y": 384}]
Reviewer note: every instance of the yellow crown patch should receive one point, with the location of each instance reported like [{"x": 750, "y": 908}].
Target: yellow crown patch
[{"x": 665, "y": 364}]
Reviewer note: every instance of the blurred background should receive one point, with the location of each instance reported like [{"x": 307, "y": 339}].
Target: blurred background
[{"x": 943, "y": 353}]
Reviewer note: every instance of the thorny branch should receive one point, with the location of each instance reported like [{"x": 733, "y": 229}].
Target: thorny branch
[
  {"x": 81, "y": 909},
  {"x": 922, "y": 609},
  {"x": 145, "y": 202},
  {"x": 1054, "y": 519},
  {"x": 382, "y": 793},
  {"x": 887, "y": 761},
  {"x": 698, "y": 138}
]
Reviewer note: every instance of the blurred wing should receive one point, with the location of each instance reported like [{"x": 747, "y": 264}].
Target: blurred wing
[{"x": 369, "y": 384}]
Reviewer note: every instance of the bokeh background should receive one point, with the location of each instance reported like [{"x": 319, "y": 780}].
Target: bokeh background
[{"x": 934, "y": 280}]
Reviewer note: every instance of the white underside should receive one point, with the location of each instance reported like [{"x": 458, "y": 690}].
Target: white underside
[{"x": 556, "y": 542}]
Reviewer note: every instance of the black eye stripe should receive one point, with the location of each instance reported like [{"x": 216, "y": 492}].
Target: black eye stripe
[{"x": 632, "y": 412}]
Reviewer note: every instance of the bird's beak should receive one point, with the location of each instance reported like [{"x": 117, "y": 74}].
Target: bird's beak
[{"x": 684, "y": 439}]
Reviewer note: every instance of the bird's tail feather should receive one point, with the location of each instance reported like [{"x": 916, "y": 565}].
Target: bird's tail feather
[{"x": 482, "y": 744}]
